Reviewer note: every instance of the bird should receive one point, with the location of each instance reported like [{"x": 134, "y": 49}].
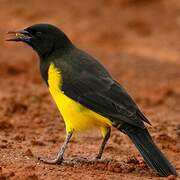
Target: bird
[{"x": 87, "y": 96}]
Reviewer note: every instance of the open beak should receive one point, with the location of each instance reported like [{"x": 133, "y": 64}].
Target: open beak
[{"x": 19, "y": 35}]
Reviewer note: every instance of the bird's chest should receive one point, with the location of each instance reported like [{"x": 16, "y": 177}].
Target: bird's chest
[
  {"x": 55, "y": 84},
  {"x": 76, "y": 116}
]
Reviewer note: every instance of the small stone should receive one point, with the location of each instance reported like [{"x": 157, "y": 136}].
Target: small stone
[
  {"x": 19, "y": 138},
  {"x": 3, "y": 146},
  {"x": 32, "y": 177},
  {"x": 4, "y": 140},
  {"x": 5, "y": 125},
  {"x": 132, "y": 160},
  {"x": 37, "y": 143},
  {"x": 29, "y": 153}
]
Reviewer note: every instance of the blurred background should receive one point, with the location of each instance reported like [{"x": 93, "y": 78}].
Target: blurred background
[{"x": 136, "y": 40}]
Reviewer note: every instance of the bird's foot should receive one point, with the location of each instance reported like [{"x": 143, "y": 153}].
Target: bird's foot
[
  {"x": 82, "y": 160},
  {"x": 58, "y": 160},
  {"x": 76, "y": 160},
  {"x": 99, "y": 160}
]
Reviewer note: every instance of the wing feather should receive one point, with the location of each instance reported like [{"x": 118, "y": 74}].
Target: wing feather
[{"x": 106, "y": 97}]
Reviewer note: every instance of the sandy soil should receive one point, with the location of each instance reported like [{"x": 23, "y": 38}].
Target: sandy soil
[{"x": 137, "y": 40}]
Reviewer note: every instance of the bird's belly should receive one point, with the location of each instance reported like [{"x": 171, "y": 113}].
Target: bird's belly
[{"x": 77, "y": 117}]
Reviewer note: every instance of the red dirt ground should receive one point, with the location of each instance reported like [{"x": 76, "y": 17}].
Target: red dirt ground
[{"x": 137, "y": 40}]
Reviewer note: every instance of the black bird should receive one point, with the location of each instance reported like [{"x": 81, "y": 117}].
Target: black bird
[{"x": 87, "y": 96}]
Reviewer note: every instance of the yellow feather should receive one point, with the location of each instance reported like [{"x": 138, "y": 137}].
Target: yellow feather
[{"x": 77, "y": 117}]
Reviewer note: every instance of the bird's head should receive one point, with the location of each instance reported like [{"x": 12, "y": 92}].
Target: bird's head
[{"x": 43, "y": 38}]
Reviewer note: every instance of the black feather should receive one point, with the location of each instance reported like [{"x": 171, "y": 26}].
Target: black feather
[
  {"x": 87, "y": 82},
  {"x": 148, "y": 149}
]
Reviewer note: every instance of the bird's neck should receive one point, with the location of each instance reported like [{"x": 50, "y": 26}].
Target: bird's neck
[
  {"x": 46, "y": 61},
  {"x": 55, "y": 50},
  {"x": 44, "y": 66},
  {"x": 60, "y": 48}
]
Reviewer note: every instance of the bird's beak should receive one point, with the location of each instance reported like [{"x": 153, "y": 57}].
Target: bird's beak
[{"x": 19, "y": 35}]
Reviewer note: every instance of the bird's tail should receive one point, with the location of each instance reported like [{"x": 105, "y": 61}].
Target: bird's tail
[{"x": 150, "y": 152}]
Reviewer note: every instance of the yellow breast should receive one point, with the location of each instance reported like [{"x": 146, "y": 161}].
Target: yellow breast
[{"x": 76, "y": 116}]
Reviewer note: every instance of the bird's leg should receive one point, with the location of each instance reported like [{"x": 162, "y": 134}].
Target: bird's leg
[
  {"x": 106, "y": 134},
  {"x": 59, "y": 159},
  {"x": 106, "y": 131}
]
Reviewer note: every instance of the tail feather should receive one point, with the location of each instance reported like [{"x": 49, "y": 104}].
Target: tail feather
[{"x": 150, "y": 152}]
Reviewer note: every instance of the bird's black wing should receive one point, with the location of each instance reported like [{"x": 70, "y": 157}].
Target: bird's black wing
[{"x": 106, "y": 97}]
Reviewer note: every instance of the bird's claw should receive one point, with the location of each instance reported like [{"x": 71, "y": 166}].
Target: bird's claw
[
  {"x": 97, "y": 159},
  {"x": 51, "y": 161}
]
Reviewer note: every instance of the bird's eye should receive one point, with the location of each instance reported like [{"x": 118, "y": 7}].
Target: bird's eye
[{"x": 38, "y": 34}]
